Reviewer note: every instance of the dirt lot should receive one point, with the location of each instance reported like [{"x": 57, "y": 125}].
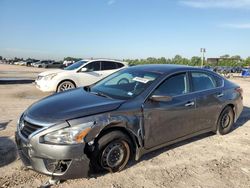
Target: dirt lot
[{"x": 205, "y": 161}]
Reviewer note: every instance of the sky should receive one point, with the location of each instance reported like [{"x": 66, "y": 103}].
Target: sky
[{"x": 121, "y": 29}]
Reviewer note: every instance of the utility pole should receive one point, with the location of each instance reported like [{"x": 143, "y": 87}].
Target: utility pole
[{"x": 203, "y": 51}]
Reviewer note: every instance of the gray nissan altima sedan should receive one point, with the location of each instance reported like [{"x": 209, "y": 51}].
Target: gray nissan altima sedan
[{"x": 125, "y": 115}]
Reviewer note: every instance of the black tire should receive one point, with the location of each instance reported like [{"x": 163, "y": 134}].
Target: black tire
[
  {"x": 65, "y": 85},
  {"x": 225, "y": 121},
  {"x": 111, "y": 153}
]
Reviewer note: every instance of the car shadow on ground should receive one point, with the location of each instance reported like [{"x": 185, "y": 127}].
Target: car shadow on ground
[
  {"x": 4, "y": 81},
  {"x": 8, "y": 151},
  {"x": 157, "y": 152},
  {"x": 3, "y": 125}
]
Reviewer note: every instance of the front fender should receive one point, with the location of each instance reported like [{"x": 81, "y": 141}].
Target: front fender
[{"x": 111, "y": 121}]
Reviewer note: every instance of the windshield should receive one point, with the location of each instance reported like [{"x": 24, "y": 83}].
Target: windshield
[
  {"x": 75, "y": 65},
  {"x": 125, "y": 84}
]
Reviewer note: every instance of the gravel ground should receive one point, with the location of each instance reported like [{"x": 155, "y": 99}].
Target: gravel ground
[{"x": 208, "y": 160}]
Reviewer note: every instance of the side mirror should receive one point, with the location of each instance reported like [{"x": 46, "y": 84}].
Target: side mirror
[
  {"x": 84, "y": 69},
  {"x": 160, "y": 98}
]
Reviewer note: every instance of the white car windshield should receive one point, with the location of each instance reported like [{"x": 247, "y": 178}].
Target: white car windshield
[{"x": 75, "y": 65}]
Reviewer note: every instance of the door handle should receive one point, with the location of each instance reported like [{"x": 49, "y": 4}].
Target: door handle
[
  {"x": 220, "y": 95},
  {"x": 189, "y": 104}
]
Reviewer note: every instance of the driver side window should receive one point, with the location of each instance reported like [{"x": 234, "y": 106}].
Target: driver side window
[
  {"x": 93, "y": 66},
  {"x": 173, "y": 86}
]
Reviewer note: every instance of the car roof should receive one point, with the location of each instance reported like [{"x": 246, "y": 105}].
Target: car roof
[
  {"x": 103, "y": 59},
  {"x": 166, "y": 68}
]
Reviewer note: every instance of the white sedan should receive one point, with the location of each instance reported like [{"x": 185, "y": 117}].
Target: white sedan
[{"x": 81, "y": 73}]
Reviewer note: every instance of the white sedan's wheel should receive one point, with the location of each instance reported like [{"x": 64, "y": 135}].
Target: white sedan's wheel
[{"x": 66, "y": 85}]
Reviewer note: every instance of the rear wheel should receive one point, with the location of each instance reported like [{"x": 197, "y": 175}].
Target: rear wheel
[
  {"x": 112, "y": 152},
  {"x": 225, "y": 121},
  {"x": 65, "y": 85}
]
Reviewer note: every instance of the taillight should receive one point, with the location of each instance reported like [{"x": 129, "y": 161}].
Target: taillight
[{"x": 240, "y": 91}]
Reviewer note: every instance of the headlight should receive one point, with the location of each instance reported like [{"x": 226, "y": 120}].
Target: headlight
[
  {"x": 19, "y": 119},
  {"x": 71, "y": 135},
  {"x": 50, "y": 76}
]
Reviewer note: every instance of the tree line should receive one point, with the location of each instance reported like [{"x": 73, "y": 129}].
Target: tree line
[{"x": 224, "y": 60}]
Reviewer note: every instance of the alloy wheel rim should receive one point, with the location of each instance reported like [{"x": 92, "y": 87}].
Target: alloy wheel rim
[{"x": 66, "y": 86}]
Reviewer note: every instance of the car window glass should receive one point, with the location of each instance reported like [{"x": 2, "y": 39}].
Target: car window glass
[
  {"x": 108, "y": 65},
  {"x": 119, "y": 65},
  {"x": 219, "y": 81},
  {"x": 75, "y": 65},
  {"x": 125, "y": 84},
  {"x": 202, "y": 81},
  {"x": 175, "y": 85},
  {"x": 121, "y": 79},
  {"x": 93, "y": 66}
]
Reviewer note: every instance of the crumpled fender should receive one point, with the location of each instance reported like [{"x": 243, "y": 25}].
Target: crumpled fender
[{"x": 130, "y": 121}]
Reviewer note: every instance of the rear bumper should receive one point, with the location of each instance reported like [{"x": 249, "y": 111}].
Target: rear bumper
[
  {"x": 60, "y": 161},
  {"x": 238, "y": 108}
]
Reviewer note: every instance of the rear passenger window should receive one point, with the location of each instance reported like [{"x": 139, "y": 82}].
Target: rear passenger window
[
  {"x": 108, "y": 65},
  {"x": 202, "y": 81},
  {"x": 119, "y": 65},
  {"x": 175, "y": 85}
]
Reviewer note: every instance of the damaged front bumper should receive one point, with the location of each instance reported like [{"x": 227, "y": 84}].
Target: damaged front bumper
[{"x": 59, "y": 161}]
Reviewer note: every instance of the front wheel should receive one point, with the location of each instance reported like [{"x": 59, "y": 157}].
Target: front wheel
[
  {"x": 65, "y": 85},
  {"x": 112, "y": 152},
  {"x": 225, "y": 121}
]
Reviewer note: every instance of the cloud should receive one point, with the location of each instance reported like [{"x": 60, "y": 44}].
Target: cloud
[
  {"x": 237, "y": 26},
  {"x": 229, "y": 4},
  {"x": 111, "y": 2}
]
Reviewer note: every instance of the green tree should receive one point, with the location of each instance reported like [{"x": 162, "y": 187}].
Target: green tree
[
  {"x": 72, "y": 59},
  {"x": 236, "y": 57},
  {"x": 225, "y": 56},
  {"x": 151, "y": 60},
  {"x": 180, "y": 60},
  {"x": 169, "y": 61},
  {"x": 247, "y": 62},
  {"x": 177, "y": 59},
  {"x": 1, "y": 58},
  {"x": 162, "y": 60},
  {"x": 195, "y": 61}
]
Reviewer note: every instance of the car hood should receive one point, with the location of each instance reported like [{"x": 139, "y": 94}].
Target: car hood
[
  {"x": 69, "y": 105},
  {"x": 56, "y": 71}
]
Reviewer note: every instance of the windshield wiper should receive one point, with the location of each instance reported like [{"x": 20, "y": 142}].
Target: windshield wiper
[{"x": 101, "y": 94}]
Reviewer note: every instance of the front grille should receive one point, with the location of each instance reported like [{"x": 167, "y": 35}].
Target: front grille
[{"x": 29, "y": 128}]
